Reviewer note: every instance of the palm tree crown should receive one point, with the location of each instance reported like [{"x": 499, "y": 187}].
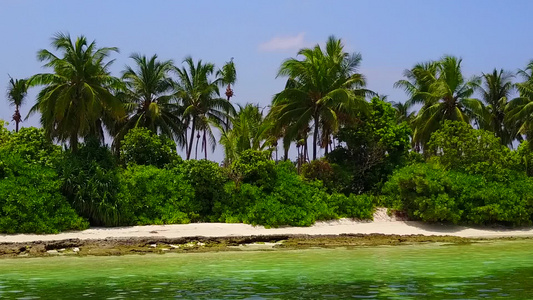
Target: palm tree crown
[
  {"x": 149, "y": 99},
  {"x": 16, "y": 94},
  {"x": 250, "y": 131},
  {"x": 444, "y": 94},
  {"x": 78, "y": 92},
  {"x": 495, "y": 92},
  {"x": 519, "y": 112},
  {"x": 320, "y": 88},
  {"x": 202, "y": 105}
]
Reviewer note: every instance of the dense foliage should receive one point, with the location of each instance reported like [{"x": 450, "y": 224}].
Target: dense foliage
[
  {"x": 149, "y": 195},
  {"x": 90, "y": 183},
  {"x": 452, "y": 160},
  {"x": 30, "y": 191},
  {"x": 142, "y": 147},
  {"x": 429, "y": 193},
  {"x": 371, "y": 148},
  {"x": 291, "y": 201},
  {"x": 30, "y": 199}
]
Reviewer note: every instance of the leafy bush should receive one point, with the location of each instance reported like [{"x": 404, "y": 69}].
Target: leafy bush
[
  {"x": 352, "y": 206},
  {"x": 524, "y": 155},
  {"x": 429, "y": 193},
  {"x": 90, "y": 183},
  {"x": 458, "y": 146},
  {"x": 207, "y": 179},
  {"x": 143, "y": 147},
  {"x": 4, "y": 133},
  {"x": 373, "y": 147},
  {"x": 30, "y": 199},
  {"x": 33, "y": 146},
  {"x": 149, "y": 195},
  {"x": 291, "y": 202},
  {"x": 255, "y": 167},
  {"x": 318, "y": 170}
]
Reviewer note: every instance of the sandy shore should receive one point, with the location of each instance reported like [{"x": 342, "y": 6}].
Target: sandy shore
[{"x": 381, "y": 225}]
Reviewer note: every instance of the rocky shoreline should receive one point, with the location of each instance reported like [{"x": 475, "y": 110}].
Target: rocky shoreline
[{"x": 146, "y": 245}]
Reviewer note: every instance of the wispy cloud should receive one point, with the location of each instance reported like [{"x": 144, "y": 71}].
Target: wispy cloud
[{"x": 282, "y": 43}]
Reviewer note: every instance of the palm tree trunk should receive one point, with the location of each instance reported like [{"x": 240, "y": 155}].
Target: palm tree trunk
[
  {"x": 204, "y": 142},
  {"x": 74, "y": 142},
  {"x": 326, "y": 149},
  {"x": 17, "y": 120},
  {"x": 306, "y": 155},
  {"x": 191, "y": 141},
  {"x": 197, "y": 140},
  {"x": 227, "y": 111},
  {"x": 298, "y": 158},
  {"x": 315, "y": 135}
]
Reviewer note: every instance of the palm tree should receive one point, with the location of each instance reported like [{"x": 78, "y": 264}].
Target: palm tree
[
  {"x": 403, "y": 111},
  {"x": 16, "y": 94},
  {"x": 77, "y": 94},
  {"x": 149, "y": 99},
  {"x": 202, "y": 106},
  {"x": 228, "y": 76},
  {"x": 519, "y": 112},
  {"x": 495, "y": 91},
  {"x": 444, "y": 94},
  {"x": 320, "y": 87},
  {"x": 250, "y": 131}
]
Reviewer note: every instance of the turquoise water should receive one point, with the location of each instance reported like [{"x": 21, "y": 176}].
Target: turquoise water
[{"x": 490, "y": 270}]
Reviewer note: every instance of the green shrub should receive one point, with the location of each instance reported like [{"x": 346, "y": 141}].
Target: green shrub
[
  {"x": 33, "y": 146},
  {"x": 4, "y": 133},
  {"x": 255, "y": 167},
  {"x": 352, "y": 206},
  {"x": 207, "y": 179},
  {"x": 90, "y": 183},
  {"x": 429, "y": 193},
  {"x": 149, "y": 195},
  {"x": 292, "y": 201},
  {"x": 31, "y": 201},
  {"x": 370, "y": 149},
  {"x": 524, "y": 155},
  {"x": 457, "y": 146},
  {"x": 143, "y": 147}
]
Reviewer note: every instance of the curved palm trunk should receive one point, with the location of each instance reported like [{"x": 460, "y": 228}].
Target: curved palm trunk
[{"x": 191, "y": 140}]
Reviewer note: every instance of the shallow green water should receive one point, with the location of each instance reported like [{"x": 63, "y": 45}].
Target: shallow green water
[{"x": 495, "y": 270}]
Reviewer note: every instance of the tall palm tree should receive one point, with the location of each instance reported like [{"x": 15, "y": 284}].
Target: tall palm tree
[
  {"x": 519, "y": 112},
  {"x": 149, "y": 99},
  {"x": 16, "y": 94},
  {"x": 495, "y": 91},
  {"x": 320, "y": 87},
  {"x": 444, "y": 94},
  {"x": 202, "y": 105},
  {"x": 77, "y": 94},
  {"x": 228, "y": 76}
]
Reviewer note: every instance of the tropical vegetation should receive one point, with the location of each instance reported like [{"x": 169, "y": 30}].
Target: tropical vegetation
[{"x": 456, "y": 149}]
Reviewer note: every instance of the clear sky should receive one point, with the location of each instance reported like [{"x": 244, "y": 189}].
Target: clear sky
[{"x": 391, "y": 36}]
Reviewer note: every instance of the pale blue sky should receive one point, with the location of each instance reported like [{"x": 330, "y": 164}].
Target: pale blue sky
[{"x": 390, "y": 35}]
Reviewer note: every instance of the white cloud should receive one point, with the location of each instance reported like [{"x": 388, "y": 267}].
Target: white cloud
[{"x": 282, "y": 43}]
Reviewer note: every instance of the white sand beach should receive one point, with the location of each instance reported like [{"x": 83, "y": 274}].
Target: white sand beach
[{"x": 382, "y": 224}]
